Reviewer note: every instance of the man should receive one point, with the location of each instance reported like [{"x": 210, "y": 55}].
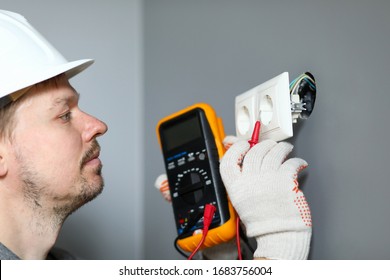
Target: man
[
  {"x": 49, "y": 156},
  {"x": 49, "y": 159}
]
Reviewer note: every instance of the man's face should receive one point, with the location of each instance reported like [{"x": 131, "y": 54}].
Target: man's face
[{"x": 55, "y": 155}]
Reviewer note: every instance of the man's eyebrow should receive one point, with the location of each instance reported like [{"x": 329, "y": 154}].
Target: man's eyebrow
[{"x": 65, "y": 100}]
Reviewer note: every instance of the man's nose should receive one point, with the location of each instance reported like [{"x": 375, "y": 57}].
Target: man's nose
[{"x": 93, "y": 128}]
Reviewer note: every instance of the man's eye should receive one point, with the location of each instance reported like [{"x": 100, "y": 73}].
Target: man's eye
[{"x": 66, "y": 117}]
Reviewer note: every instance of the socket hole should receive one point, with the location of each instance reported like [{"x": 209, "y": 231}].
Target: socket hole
[
  {"x": 266, "y": 110},
  {"x": 243, "y": 120}
]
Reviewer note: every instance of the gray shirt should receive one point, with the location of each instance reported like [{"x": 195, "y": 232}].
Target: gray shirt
[
  {"x": 6, "y": 254},
  {"x": 54, "y": 254}
]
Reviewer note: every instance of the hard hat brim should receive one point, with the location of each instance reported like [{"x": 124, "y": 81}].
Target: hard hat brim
[
  {"x": 69, "y": 68},
  {"x": 75, "y": 67}
]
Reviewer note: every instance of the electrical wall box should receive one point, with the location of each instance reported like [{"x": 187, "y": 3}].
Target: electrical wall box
[{"x": 269, "y": 103}]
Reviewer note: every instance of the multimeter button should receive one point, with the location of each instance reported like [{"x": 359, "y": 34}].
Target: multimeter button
[
  {"x": 202, "y": 156},
  {"x": 190, "y": 157},
  {"x": 181, "y": 161}
]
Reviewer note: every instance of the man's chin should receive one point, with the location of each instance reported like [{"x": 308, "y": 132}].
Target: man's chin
[
  {"x": 88, "y": 193},
  {"x": 94, "y": 190}
]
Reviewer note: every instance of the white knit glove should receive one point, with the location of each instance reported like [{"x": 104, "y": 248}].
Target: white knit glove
[
  {"x": 264, "y": 191},
  {"x": 162, "y": 185}
]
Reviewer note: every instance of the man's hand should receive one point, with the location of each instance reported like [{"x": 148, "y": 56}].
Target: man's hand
[{"x": 264, "y": 190}]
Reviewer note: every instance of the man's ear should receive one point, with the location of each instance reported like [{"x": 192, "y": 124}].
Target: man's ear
[{"x": 3, "y": 159}]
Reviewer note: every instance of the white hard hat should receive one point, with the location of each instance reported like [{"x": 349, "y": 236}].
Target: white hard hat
[{"x": 27, "y": 58}]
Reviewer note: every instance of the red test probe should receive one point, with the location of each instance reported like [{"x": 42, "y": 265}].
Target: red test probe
[{"x": 253, "y": 141}]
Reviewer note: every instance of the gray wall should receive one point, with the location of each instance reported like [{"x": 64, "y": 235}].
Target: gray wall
[
  {"x": 211, "y": 51},
  {"x": 110, "y": 32}
]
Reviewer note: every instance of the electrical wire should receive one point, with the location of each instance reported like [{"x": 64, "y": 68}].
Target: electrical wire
[
  {"x": 192, "y": 221},
  {"x": 238, "y": 243},
  {"x": 204, "y": 234},
  {"x": 207, "y": 219},
  {"x": 178, "y": 248},
  {"x": 308, "y": 77},
  {"x": 253, "y": 141},
  {"x": 304, "y": 88},
  {"x": 210, "y": 209},
  {"x": 208, "y": 215},
  {"x": 244, "y": 239}
]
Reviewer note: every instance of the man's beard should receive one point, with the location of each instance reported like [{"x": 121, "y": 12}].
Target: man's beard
[{"x": 36, "y": 189}]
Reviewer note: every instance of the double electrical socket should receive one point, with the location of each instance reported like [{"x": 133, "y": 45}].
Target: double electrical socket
[{"x": 269, "y": 103}]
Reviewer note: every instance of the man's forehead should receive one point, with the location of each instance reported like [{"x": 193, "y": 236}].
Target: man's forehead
[{"x": 65, "y": 97}]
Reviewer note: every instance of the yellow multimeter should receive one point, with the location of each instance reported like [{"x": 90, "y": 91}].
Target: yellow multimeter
[{"x": 191, "y": 143}]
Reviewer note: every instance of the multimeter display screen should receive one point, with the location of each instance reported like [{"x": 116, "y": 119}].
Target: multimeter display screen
[{"x": 181, "y": 133}]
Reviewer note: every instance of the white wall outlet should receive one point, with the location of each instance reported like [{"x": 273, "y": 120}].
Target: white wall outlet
[{"x": 270, "y": 104}]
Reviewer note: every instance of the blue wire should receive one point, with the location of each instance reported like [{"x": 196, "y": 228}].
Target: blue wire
[{"x": 310, "y": 83}]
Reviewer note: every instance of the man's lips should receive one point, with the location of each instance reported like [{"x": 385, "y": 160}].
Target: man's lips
[{"x": 93, "y": 159}]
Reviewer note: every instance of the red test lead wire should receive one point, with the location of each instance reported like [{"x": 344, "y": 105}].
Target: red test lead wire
[
  {"x": 253, "y": 141},
  {"x": 208, "y": 215},
  {"x": 210, "y": 209}
]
